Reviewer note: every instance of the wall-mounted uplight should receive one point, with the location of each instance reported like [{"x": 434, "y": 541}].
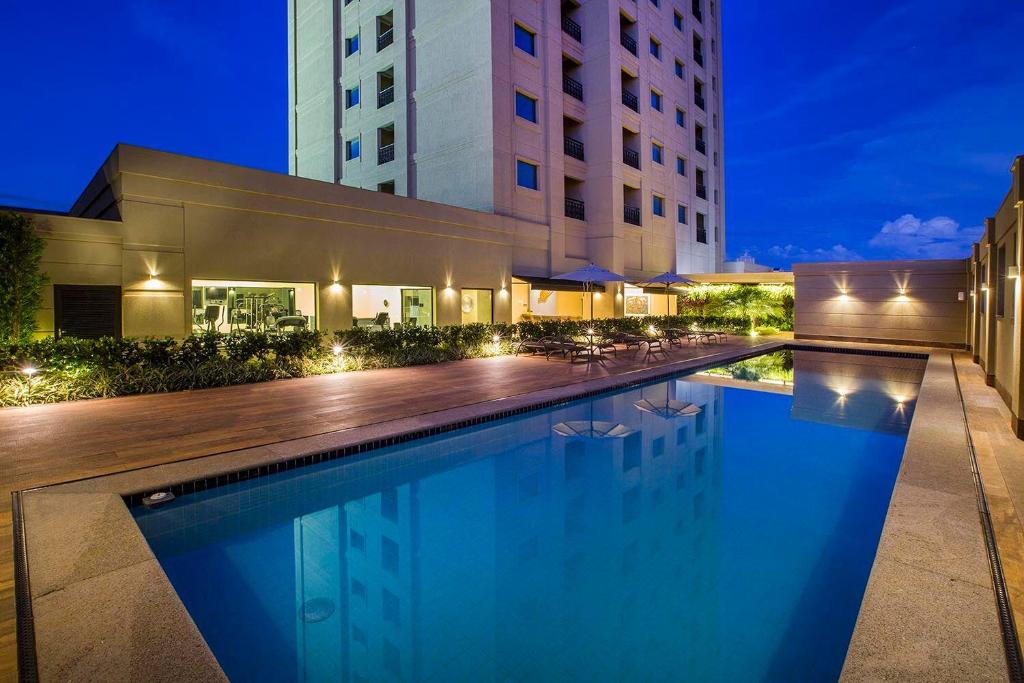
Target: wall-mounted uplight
[
  {"x": 1012, "y": 272},
  {"x": 844, "y": 295},
  {"x": 152, "y": 276},
  {"x": 335, "y": 287}
]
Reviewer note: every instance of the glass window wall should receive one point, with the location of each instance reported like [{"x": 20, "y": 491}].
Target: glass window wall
[{"x": 239, "y": 305}]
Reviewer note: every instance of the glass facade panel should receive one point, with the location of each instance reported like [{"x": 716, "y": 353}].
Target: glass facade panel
[
  {"x": 386, "y": 306},
  {"x": 239, "y": 305},
  {"x": 477, "y": 306}
]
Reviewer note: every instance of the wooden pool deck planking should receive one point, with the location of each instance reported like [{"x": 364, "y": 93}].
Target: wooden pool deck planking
[{"x": 49, "y": 444}]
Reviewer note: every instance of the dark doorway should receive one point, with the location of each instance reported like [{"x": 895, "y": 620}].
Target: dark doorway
[{"x": 87, "y": 311}]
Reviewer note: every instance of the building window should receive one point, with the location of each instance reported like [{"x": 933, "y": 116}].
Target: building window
[
  {"x": 240, "y": 305},
  {"x": 680, "y": 118},
  {"x": 526, "y": 107},
  {"x": 477, "y": 306},
  {"x": 526, "y": 174},
  {"x": 655, "y": 48},
  {"x": 352, "y": 149},
  {"x": 1001, "y": 281},
  {"x": 352, "y": 45},
  {"x": 351, "y": 97},
  {"x": 526, "y": 40},
  {"x": 680, "y": 166},
  {"x": 656, "y": 100},
  {"x": 677, "y": 20},
  {"x": 657, "y": 153},
  {"x": 681, "y": 214},
  {"x": 702, "y": 234},
  {"x": 658, "y": 205},
  {"x": 679, "y": 69}
]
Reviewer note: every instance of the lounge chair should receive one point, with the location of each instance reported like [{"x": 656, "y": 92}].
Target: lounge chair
[{"x": 534, "y": 346}]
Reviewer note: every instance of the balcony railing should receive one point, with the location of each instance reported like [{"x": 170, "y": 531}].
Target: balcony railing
[
  {"x": 385, "y": 39},
  {"x": 386, "y": 97},
  {"x": 574, "y": 209},
  {"x": 385, "y": 154},
  {"x": 630, "y": 100},
  {"x": 572, "y": 29},
  {"x": 702, "y": 146},
  {"x": 702, "y": 235},
  {"x": 631, "y": 157},
  {"x": 702, "y": 191},
  {"x": 572, "y": 87},
  {"x": 631, "y": 215},
  {"x": 574, "y": 148},
  {"x": 628, "y": 42},
  {"x": 698, "y": 100}
]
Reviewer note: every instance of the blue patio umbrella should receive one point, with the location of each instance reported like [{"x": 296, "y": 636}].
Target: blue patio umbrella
[{"x": 589, "y": 275}]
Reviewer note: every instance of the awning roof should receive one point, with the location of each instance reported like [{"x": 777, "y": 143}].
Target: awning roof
[{"x": 553, "y": 285}]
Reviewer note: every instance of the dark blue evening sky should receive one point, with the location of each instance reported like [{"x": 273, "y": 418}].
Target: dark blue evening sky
[{"x": 869, "y": 129}]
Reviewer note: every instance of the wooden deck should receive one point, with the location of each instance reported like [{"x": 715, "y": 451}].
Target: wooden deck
[{"x": 55, "y": 443}]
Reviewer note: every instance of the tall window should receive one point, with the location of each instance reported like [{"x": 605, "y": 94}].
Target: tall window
[
  {"x": 656, "y": 100},
  {"x": 677, "y": 20},
  {"x": 352, "y": 149},
  {"x": 702, "y": 228},
  {"x": 681, "y": 214},
  {"x": 526, "y": 107},
  {"x": 657, "y": 153},
  {"x": 680, "y": 118},
  {"x": 680, "y": 166},
  {"x": 526, "y": 174},
  {"x": 1001, "y": 281},
  {"x": 352, "y": 97},
  {"x": 352, "y": 45},
  {"x": 658, "y": 205},
  {"x": 679, "y": 69},
  {"x": 655, "y": 48},
  {"x": 525, "y": 40}
]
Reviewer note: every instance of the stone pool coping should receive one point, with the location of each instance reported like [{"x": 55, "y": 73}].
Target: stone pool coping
[{"x": 100, "y": 606}]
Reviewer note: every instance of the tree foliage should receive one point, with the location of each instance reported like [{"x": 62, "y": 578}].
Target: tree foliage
[{"x": 21, "y": 280}]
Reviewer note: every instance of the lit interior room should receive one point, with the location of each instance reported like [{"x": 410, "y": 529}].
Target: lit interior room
[
  {"x": 239, "y": 305},
  {"x": 640, "y": 302},
  {"x": 549, "y": 299},
  {"x": 386, "y": 306}
]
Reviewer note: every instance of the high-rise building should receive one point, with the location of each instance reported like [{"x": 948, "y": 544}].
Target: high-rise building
[{"x": 599, "y": 119}]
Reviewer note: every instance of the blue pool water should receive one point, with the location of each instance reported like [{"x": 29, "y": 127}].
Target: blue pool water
[{"x": 594, "y": 541}]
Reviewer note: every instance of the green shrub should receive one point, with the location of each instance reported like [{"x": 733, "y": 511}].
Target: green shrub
[{"x": 765, "y": 330}]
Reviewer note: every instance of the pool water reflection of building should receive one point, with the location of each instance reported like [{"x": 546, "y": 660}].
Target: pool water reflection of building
[{"x": 703, "y": 545}]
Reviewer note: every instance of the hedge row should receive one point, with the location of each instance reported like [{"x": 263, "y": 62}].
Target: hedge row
[{"x": 71, "y": 369}]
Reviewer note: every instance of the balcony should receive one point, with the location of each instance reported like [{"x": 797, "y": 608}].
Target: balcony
[
  {"x": 702, "y": 146},
  {"x": 630, "y": 100},
  {"x": 572, "y": 87},
  {"x": 385, "y": 97},
  {"x": 574, "y": 208},
  {"x": 629, "y": 42},
  {"x": 385, "y": 154},
  {"x": 572, "y": 29},
  {"x": 385, "y": 39},
  {"x": 699, "y": 101},
  {"x": 573, "y": 148},
  {"x": 631, "y": 157},
  {"x": 702, "y": 235},
  {"x": 631, "y": 215},
  {"x": 702, "y": 191},
  {"x": 698, "y": 57}
]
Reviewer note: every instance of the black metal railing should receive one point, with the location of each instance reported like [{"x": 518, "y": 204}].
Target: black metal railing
[
  {"x": 702, "y": 191},
  {"x": 698, "y": 100},
  {"x": 572, "y": 29},
  {"x": 630, "y": 100},
  {"x": 629, "y": 42},
  {"x": 574, "y": 148},
  {"x": 631, "y": 157},
  {"x": 631, "y": 215},
  {"x": 702, "y": 146},
  {"x": 574, "y": 208},
  {"x": 572, "y": 87},
  {"x": 386, "y": 96},
  {"x": 385, "y": 154},
  {"x": 702, "y": 235},
  {"x": 385, "y": 39}
]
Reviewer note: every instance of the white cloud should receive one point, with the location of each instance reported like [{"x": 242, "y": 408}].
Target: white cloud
[
  {"x": 837, "y": 252},
  {"x": 910, "y": 237}
]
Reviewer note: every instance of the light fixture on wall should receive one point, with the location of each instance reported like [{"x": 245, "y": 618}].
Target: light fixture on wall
[
  {"x": 1012, "y": 272},
  {"x": 984, "y": 288},
  {"x": 335, "y": 287},
  {"x": 843, "y": 294}
]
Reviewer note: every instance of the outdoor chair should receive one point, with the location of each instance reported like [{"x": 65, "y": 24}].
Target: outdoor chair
[
  {"x": 534, "y": 346},
  {"x": 654, "y": 345}
]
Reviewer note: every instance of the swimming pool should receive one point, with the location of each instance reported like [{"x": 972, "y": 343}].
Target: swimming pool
[{"x": 716, "y": 526}]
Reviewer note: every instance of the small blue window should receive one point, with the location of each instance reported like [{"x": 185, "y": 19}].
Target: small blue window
[
  {"x": 526, "y": 40},
  {"x": 677, "y": 20},
  {"x": 352, "y": 149},
  {"x": 526, "y": 174},
  {"x": 526, "y": 107},
  {"x": 655, "y": 100},
  {"x": 352, "y": 45},
  {"x": 681, "y": 118},
  {"x": 682, "y": 214},
  {"x": 680, "y": 166},
  {"x": 679, "y": 69},
  {"x": 658, "y": 206},
  {"x": 655, "y": 48},
  {"x": 352, "y": 97},
  {"x": 657, "y": 153}
]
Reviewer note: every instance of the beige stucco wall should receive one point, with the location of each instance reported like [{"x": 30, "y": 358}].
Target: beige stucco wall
[{"x": 863, "y": 301}]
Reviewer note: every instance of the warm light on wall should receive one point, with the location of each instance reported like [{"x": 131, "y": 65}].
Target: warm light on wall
[
  {"x": 335, "y": 287},
  {"x": 1012, "y": 272}
]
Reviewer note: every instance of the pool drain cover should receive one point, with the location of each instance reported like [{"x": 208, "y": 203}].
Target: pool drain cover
[{"x": 317, "y": 610}]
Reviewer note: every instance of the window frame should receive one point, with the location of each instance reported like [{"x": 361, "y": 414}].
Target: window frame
[
  {"x": 534, "y": 101},
  {"x": 518, "y": 26},
  {"x": 520, "y": 164}
]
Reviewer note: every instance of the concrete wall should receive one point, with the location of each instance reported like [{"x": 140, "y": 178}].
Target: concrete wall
[
  {"x": 907, "y": 302},
  {"x": 996, "y": 331},
  {"x": 172, "y": 219}
]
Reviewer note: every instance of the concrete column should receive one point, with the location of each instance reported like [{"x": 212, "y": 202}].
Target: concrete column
[
  {"x": 1016, "y": 387},
  {"x": 991, "y": 281},
  {"x": 975, "y": 306}
]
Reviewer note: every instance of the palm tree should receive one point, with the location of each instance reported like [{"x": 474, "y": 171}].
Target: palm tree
[{"x": 749, "y": 302}]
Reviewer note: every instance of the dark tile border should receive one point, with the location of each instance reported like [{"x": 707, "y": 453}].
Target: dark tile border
[{"x": 25, "y": 631}]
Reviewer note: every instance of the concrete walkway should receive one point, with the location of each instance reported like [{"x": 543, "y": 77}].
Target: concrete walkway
[{"x": 50, "y": 444}]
